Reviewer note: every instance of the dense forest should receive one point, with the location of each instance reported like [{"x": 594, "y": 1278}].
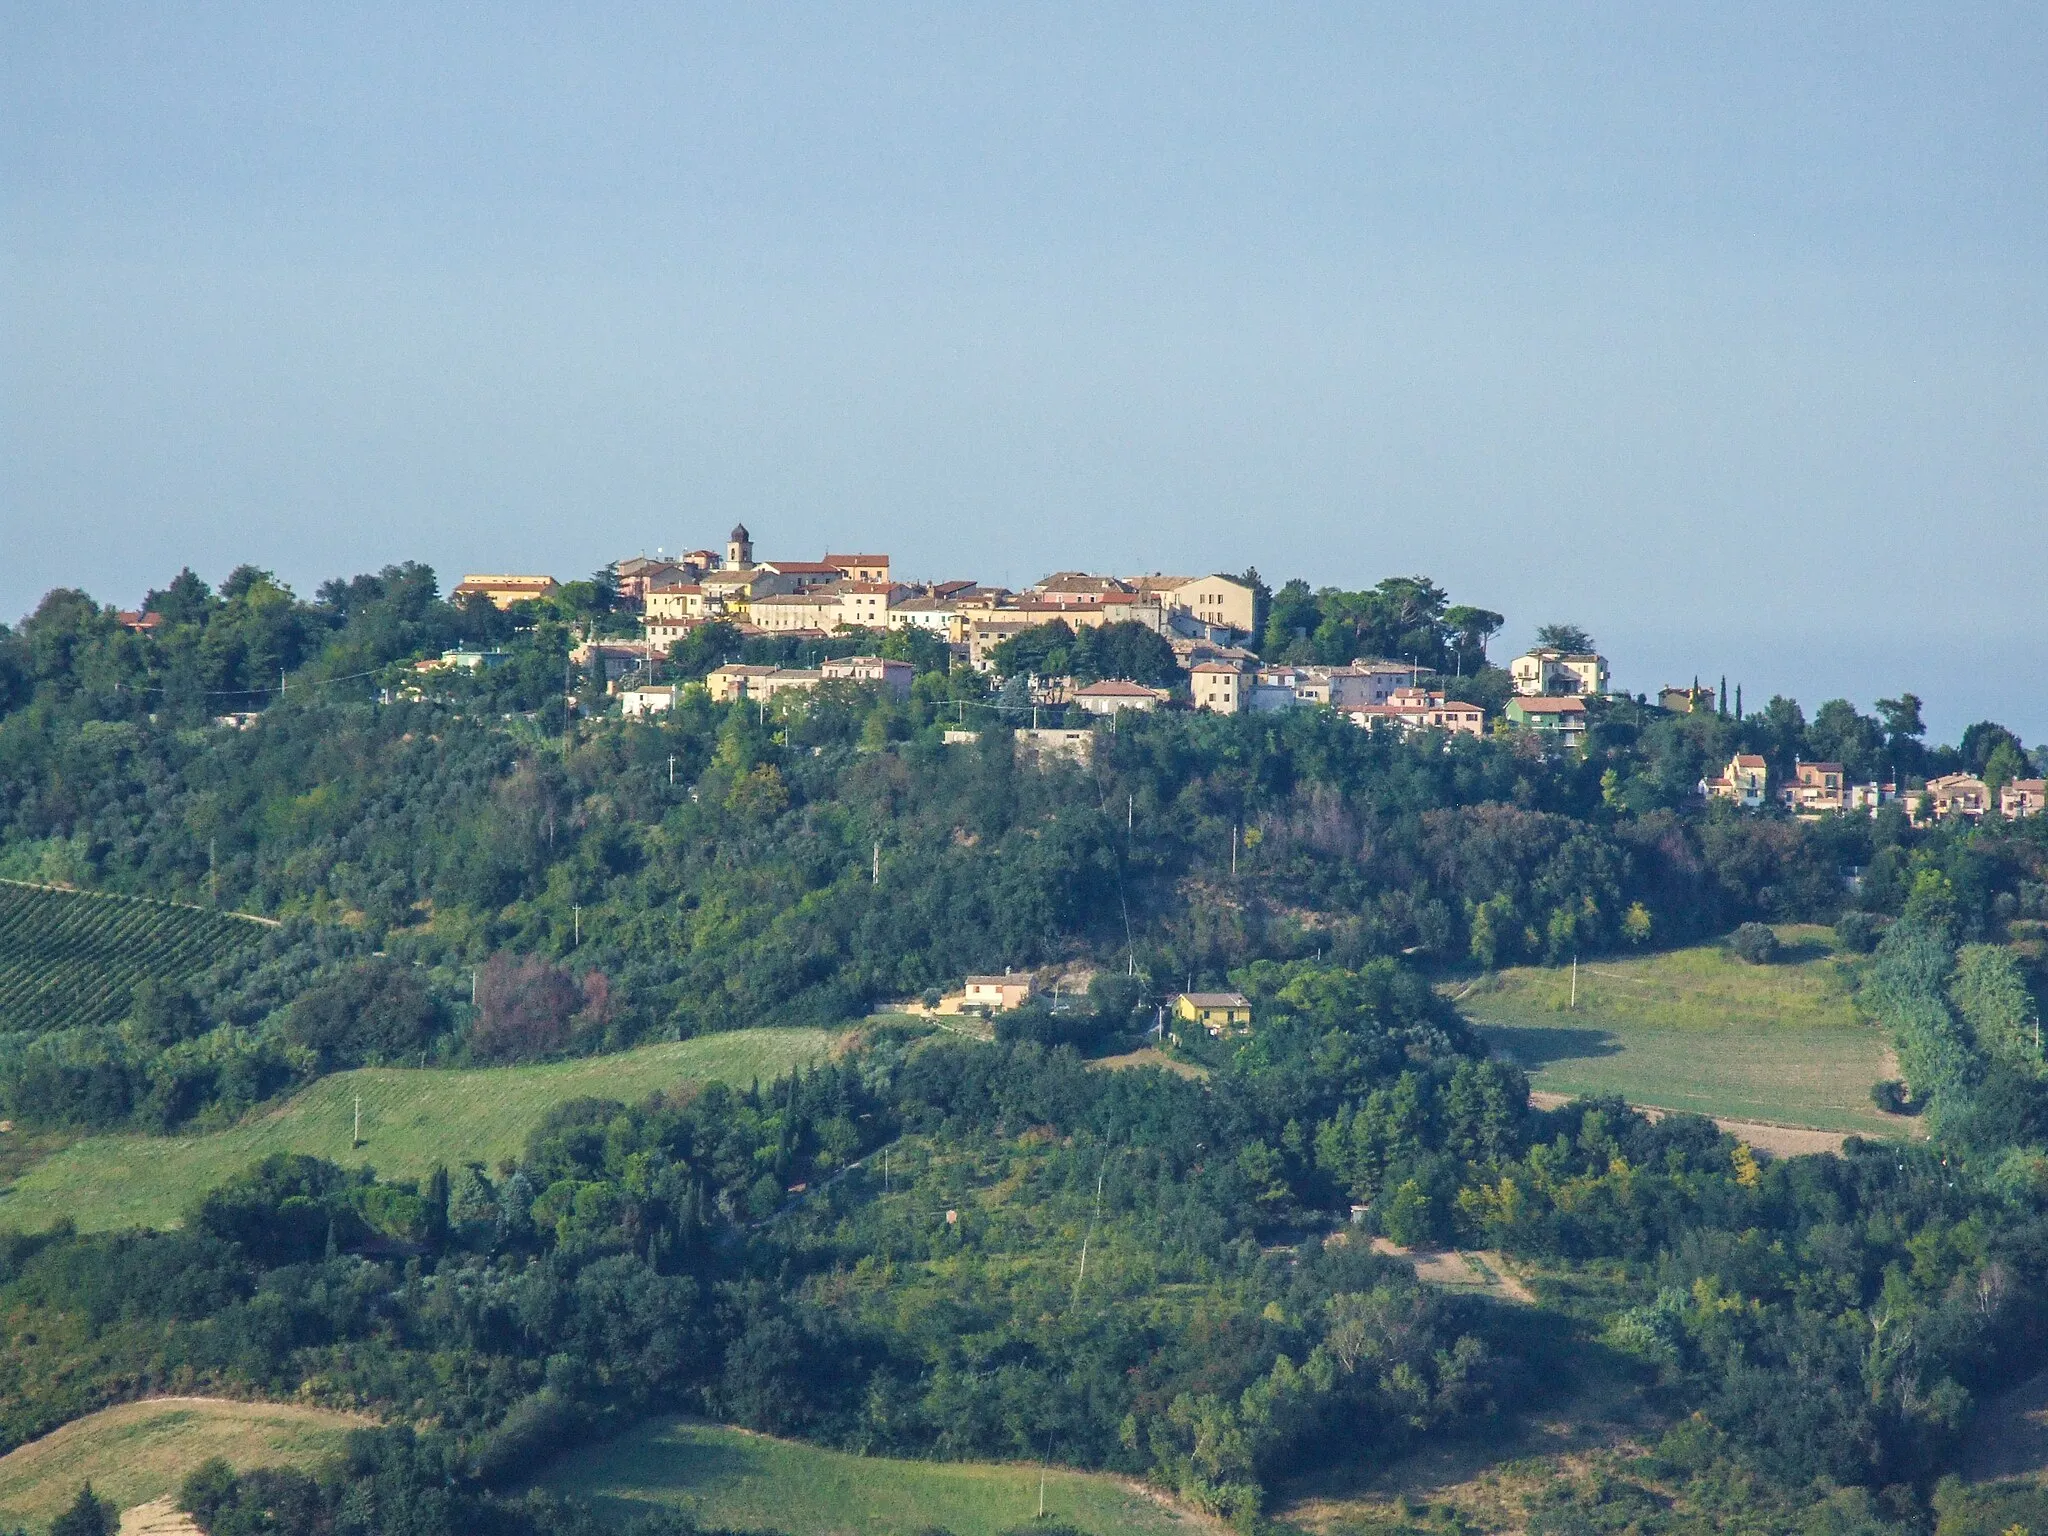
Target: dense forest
[{"x": 483, "y": 868}]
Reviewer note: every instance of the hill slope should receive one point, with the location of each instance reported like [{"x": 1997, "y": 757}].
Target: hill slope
[
  {"x": 729, "y": 1476},
  {"x": 411, "y": 1118},
  {"x": 1698, "y": 1030},
  {"x": 135, "y": 1452},
  {"x": 71, "y": 959}
]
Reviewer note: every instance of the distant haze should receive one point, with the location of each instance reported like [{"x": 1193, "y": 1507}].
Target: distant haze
[{"x": 1717, "y": 330}]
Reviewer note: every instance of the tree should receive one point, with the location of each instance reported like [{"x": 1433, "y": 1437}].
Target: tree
[
  {"x": 1755, "y": 943},
  {"x": 1473, "y": 627},
  {"x": 89, "y": 1515},
  {"x": 2003, "y": 766},
  {"x": 1903, "y": 729},
  {"x": 1565, "y": 637}
]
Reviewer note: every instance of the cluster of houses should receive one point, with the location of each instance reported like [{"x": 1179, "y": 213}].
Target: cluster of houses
[
  {"x": 1205, "y": 620},
  {"x": 1820, "y": 789},
  {"x": 1221, "y": 1014}
]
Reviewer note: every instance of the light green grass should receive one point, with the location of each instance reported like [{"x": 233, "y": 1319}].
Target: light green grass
[
  {"x": 141, "y": 1451},
  {"x": 412, "y": 1119},
  {"x": 1696, "y": 1029},
  {"x": 728, "y": 1477}
]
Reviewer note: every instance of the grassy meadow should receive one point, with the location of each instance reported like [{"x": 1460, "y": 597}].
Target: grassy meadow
[
  {"x": 412, "y": 1118},
  {"x": 729, "y": 1477},
  {"x": 1697, "y": 1029},
  {"x": 141, "y": 1451}
]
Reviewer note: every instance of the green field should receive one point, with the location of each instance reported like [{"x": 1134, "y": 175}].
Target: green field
[
  {"x": 141, "y": 1451},
  {"x": 730, "y": 1477},
  {"x": 1696, "y": 1029},
  {"x": 71, "y": 959},
  {"x": 412, "y": 1118}
]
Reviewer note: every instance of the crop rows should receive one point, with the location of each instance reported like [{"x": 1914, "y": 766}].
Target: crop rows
[{"x": 70, "y": 958}]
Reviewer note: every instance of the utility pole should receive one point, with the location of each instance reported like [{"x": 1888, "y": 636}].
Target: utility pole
[
  {"x": 671, "y": 770},
  {"x": 576, "y": 917},
  {"x": 212, "y": 873},
  {"x": 358, "y": 1141},
  {"x": 1575, "y": 979},
  {"x": 876, "y": 878},
  {"x": 1130, "y": 811},
  {"x": 1233, "y": 850}
]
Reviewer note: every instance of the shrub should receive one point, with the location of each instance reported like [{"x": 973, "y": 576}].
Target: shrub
[
  {"x": 1856, "y": 932},
  {"x": 1755, "y": 943},
  {"x": 1889, "y": 1096}
]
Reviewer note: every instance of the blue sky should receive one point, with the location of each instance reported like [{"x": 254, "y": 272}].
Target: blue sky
[{"x": 1719, "y": 330}]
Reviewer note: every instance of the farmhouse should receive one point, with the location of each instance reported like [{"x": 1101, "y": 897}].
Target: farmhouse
[
  {"x": 997, "y": 993},
  {"x": 1221, "y": 1013},
  {"x": 504, "y": 591}
]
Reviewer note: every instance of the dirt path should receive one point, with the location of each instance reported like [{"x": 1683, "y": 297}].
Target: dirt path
[
  {"x": 1466, "y": 1269},
  {"x": 159, "y": 1517},
  {"x": 1781, "y": 1140}
]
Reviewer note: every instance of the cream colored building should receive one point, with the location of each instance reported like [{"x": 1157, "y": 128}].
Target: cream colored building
[
  {"x": 782, "y": 612},
  {"x": 1421, "y": 709},
  {"x": 998, "y": 993},
  {"x": 865, "y": 604},
  {"x": 654, "y": 699},
  {"x": 504, "y": 591},
  {"x": 1115, "y": 694},
  {"x": 893, "y": 676},
  {"x": 860, "y": 567},
  {"x": 681, "y": 602},
  {"x": 1217, "y": 687},
  {"x": 1543, "y": 671}
]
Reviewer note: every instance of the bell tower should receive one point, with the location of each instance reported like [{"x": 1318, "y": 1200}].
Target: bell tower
[{"x": 739, "y": 548}]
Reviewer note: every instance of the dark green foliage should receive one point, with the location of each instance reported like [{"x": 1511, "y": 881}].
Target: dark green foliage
[
  {"x": 1130, "y": 651},
  {"x": 89, "y": 1515},
  {"x": 1754, "y": 943},
  {"x": 1857, "y": 932},
  {"x": 375, "y": 1011}
]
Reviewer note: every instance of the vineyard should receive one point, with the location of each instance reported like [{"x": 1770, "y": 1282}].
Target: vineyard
[{"x": 70, "y": 959}]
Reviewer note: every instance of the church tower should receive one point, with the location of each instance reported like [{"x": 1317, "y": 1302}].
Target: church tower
[{"x": 739, "y": 548}]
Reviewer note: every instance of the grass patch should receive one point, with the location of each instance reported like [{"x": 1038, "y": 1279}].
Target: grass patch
[
  {"x": 1696, "y": 1029},
  {"x": 141, "y": 1451},
  {"x": 413, "y": 1118},
  {"x": 730, "y": 1477}
]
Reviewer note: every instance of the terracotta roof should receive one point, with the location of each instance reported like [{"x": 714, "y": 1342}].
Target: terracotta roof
[
  {"x": 1216, "y": 999},
  {"x": 1749, "y": 760},
  {"x": 1119, "y": 688},
  {"x": 856, "y": 560},
  {"x": 1545, "y": 705}
]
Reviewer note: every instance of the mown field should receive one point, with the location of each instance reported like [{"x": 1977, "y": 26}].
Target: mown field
[
  {"x": 141, "y": 1451},
  {"x": 411, "y": 1119},
  {"x": 1696, "y": 1029},
  {"x": 730, "y": 1477},
  {"x": 71, "y": 959}
]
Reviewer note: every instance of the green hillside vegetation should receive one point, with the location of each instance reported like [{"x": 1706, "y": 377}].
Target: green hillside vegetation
[
  {"x": 723, "y": 1476},
  {"x": 71, "y": 959},
  {"x": 413, "y": 1118},
  {"x": 1698, "y": 1029},
  {"x": 141, "y": 1451}
]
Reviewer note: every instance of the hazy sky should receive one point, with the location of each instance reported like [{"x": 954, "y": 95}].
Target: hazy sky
[{"x": 1717, "y": 329}]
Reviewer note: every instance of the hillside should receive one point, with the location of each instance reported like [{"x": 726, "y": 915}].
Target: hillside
[
  {"x": 1697, "y": 1029},
  {"x": 140, "y": 1451},
  {"x": 720, "y": 1475},
  {"x": 411, "y": 1120},
  {"x": 71, "y": 959}
]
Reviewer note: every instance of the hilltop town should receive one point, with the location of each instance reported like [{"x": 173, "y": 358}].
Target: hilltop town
[{"x": 1206, "y": 643}]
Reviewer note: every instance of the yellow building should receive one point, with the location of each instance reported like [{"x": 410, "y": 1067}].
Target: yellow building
[
  {"x": 504, "y": 591},
  {"x": 1221, "y": 1013}
]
